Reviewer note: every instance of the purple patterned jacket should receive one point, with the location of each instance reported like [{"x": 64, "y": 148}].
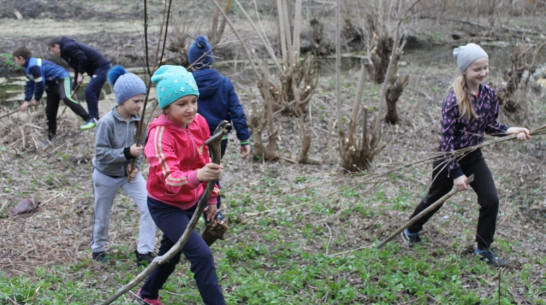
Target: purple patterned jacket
[{"x": 459, "y": 133}]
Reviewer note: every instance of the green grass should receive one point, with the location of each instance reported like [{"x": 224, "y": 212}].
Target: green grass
[
  {"x": 294, "y": 256},
  {"x": 266, "y": 273}
]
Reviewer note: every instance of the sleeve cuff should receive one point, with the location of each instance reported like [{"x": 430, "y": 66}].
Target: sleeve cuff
[
  {"x": 192, "y": 179},
  {"x": 213, "y": 201},
  {"x": 127, "y": 153},
  {"x": 245, "y": 142},
  {"x": 456, "y": 173}
]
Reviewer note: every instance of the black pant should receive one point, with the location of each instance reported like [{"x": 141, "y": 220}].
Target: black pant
[
  {"x": 172, "y": 221},
  {"x": 56, "y": 91},
  {"x": 483, "y": 185}
]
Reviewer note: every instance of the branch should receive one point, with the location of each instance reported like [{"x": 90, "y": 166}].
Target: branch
[{"x": 426, "y": 211}]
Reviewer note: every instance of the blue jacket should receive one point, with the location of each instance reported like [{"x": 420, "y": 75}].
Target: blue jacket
[
  {"x": 41, "y": 73},
  {"x": 81, "y": 58},
  {"x": 218, "y": 101}
]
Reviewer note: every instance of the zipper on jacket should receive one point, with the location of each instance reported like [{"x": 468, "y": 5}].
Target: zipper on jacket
[{"x": 193, "y": 149}]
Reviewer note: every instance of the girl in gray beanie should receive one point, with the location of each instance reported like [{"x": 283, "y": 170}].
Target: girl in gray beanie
[
  {"x": 469, "y": 111},
  {"x": 115, "y": 150}
]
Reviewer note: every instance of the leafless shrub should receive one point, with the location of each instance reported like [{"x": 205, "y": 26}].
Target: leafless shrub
[
  {"x": 524, "y": 62},
  {"x": 291, "y": 90},
  {"x": 356, "y": 153}
]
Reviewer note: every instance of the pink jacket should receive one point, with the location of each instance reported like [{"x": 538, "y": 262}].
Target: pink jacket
[{"x": 175, "y": 154}]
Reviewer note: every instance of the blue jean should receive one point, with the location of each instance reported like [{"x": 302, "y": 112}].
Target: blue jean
[
  {"x": 173, "y": 221},
  {"x": 92, "y": 91}
]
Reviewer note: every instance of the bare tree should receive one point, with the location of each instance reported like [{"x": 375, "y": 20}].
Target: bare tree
[
  {"x": 292, "y": 88},
  {"x": 217, "y": 29},
  {"x": 523, "y": 59}
]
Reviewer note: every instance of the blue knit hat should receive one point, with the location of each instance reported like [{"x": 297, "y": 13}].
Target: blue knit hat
[
  {"x": 172, "y": 83},
  {"x": 126, "y": 84},
  {"x": 466, "y": 55},
  {"x": 200, "y": 53}
]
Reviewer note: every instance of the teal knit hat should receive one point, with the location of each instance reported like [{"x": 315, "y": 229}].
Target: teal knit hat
[{"x": 172, "y": 83}]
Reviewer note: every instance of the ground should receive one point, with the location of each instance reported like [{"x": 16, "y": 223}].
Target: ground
[{"x": 270, "y": 205}]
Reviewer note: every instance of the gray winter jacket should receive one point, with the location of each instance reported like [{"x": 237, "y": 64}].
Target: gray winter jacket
[{"x": 113, "y": 138}]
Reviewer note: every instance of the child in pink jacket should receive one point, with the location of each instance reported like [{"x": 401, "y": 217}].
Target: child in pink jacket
[{"x": 179, "y": 171}]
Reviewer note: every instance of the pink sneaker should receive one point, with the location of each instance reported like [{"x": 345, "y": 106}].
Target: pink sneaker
[{"x": 146, "y": 301}]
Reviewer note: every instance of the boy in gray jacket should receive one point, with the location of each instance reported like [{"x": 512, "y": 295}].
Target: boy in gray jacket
[{"x": 115, "y": 149}]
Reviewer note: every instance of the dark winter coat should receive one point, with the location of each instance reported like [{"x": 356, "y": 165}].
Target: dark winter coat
[
  {"x": 218, "y": 101},
  {"x": 81, "y": 58}
]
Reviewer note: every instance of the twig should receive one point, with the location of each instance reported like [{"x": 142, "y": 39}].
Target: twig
[{"x": 142, "y": 123}]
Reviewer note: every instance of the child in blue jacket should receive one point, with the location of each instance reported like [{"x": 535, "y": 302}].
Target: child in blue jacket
[
  {"x": 43, "y": 75},
  {"x": 218, "y": 100}
]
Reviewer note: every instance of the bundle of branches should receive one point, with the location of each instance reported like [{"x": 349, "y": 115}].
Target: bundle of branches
[{"x": 28, "y": 132}]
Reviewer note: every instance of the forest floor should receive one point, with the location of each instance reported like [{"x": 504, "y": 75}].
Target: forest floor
[{"x": 274, "y": 208}]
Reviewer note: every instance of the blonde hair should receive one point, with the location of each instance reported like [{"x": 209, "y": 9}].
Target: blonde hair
[{"x": 464, "y": 100}]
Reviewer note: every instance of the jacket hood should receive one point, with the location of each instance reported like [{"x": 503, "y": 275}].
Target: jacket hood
[
  {"x": 209, "y": 81},
  {"x": 65, "y": 40}
]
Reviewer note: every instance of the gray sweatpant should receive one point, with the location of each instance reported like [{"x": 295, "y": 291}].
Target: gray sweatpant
[{"x": 105, "y": 188}]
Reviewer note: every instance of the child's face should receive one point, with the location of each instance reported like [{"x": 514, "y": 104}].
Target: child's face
[
  {"x": 19, "y": 60},
  {"x": 183, "y": 110},
  {"x": 477, "y": 72},
  {"x": 133, "y": 105},
  {"x": 55, "y": 49}
]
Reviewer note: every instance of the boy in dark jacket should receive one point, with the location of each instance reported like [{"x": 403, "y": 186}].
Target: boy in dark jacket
[
  {"x": 83, "y": 59},
  {"x": 43, "y": 75},
  {"x": 218, "y": 100}
]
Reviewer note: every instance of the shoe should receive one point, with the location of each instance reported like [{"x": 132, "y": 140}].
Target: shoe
[
  {"x": 89, "y": 124},
  {"x": 411, "y": 238},
  {"x": 144, "y": 259},
  {"x": 489, "y": 257},
  {"x": 146, "y": 301},
  {"x": 99, "y": 256}
]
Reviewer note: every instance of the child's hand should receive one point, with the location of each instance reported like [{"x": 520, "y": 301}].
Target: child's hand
[
  {"x": 245, "y": 151},
  {"x": 24, "y": 106},
  {"x": 461, "y": 183},
  {"x": 131, "y": 172},
  {"x": 522, "y": 132},
  {"x": 79, "y": 78},
  {"x": 211, "y": 171},
  {"x": 136, "y": 150},
  {"x": 211, "y": 211}
]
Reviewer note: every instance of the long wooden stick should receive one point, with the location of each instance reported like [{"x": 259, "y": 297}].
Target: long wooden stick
[
  {"x": 142, "y": 123},
  {"x": 9, "y": 113},
  {"x": 215, "y": 149},
  {"x": 424, "y": 212}
]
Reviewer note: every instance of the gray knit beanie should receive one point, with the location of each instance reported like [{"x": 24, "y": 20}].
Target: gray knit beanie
[
  {"x": 126, "y": 84},
  {"x": 466, "y": 55}
]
